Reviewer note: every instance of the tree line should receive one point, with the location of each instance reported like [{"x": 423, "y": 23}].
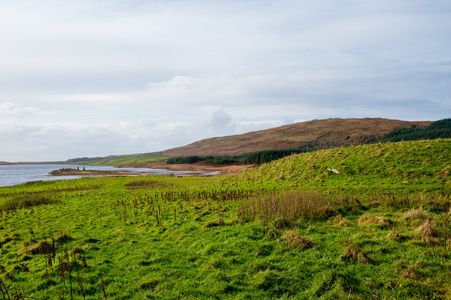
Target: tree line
[
  {"x": 258, "y": 157},
  {"x": 437, "y": 130}
]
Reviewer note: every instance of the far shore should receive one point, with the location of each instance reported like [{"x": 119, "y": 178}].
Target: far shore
[
  {"x": 70, "y": 171},
  {"x": 196, "y": 167}
]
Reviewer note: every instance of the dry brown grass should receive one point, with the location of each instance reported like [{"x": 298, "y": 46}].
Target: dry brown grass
[
  {"x": 294, "y": 240},
  {"x": 416, "y": 214},
  {"x": 427, "y": 233},
  {"x": 368, "y": 219},
  {"x": 354, "y": 254},
  {"x": 341, "y": 222}
]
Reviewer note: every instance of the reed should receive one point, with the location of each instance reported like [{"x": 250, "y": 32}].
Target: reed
[{"x": 287, "y": 206}]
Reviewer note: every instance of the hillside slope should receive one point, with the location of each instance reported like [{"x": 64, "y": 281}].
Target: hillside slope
[
  {"x": 326, "y": 132},
  {"x": 415, "y": 165}
]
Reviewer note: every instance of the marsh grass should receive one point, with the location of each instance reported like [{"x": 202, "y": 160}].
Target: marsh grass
[
  {"x": 27, "y": 201},
  {"x": 287, "y": 206}
]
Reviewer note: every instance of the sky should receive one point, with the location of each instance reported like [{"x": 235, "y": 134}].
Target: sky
[{"x": 87, "y": 78}]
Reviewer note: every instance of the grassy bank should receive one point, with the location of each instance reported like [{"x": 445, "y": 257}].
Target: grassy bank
[{"x": 294, "y": 228}]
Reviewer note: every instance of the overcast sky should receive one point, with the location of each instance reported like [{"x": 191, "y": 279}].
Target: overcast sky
[{"x": 100, "y": 77}]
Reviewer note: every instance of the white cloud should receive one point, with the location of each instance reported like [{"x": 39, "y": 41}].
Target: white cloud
[
  {"x": 10, "y": 110},
  {"x": 127, "y": 76}
]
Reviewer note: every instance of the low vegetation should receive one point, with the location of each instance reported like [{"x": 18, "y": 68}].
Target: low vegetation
[{"x": 379, "y": 228}]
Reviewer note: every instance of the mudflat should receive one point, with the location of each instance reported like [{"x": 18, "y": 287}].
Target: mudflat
[{"x": 196, "y": 167}]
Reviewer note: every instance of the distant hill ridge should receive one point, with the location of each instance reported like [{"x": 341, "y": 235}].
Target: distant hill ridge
[
  {"x": 324, "y": 133},
  {"x": 334, "y": 131}
]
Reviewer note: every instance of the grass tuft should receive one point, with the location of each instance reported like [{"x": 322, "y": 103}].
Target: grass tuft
[
  {"x": 294, "y": 240},
  {"x": 416, "y": 214},
  {"x": 342, "y": 222},
  {"x": 354, "y": 254},
  {"x": 368, "y": 219},
  {"x": 427, "y": 233}
]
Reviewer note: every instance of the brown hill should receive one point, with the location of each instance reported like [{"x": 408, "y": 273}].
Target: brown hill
[{"x": 324, "y": 132}]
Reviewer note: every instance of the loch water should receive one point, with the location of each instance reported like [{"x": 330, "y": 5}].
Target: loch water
[{"x": 17, "y": 174}]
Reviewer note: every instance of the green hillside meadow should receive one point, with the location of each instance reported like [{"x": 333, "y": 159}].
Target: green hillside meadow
[{"x": 365, "y": 222}]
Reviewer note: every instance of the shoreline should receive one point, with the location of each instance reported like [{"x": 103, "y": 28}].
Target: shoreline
[
  {"x": 196, "y": 167},
  {"x": 76, "y": 172}
]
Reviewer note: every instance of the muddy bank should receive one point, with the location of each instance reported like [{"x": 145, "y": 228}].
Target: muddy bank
[{"x": 197, "y": 167}]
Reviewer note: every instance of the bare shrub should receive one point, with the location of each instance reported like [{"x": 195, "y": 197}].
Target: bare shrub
[{"x": 294, "y": 240}]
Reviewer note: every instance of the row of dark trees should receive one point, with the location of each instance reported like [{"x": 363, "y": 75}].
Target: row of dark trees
[
  {"x": 437, "y": 130},
  {"x": 258, "y": 157}
]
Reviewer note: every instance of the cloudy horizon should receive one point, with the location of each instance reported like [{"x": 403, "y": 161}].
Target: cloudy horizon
[{"x": 83, "y": 78}]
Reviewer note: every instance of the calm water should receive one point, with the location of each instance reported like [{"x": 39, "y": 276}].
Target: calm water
[{"x": 17, "y": 174}]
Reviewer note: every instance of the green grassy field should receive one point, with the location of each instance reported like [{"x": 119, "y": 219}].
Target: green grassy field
[{"x": 291, "y": 229}]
